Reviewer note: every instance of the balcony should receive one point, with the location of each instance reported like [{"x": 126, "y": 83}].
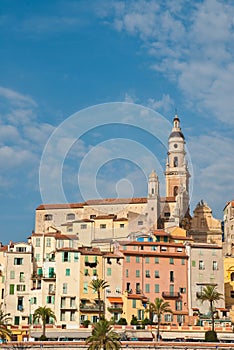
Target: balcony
[
  {"x": 70, "y": 307},
  {"x": 91, "y": 307},
  {"x": 170, "y": 295},
  {"x": 49, "y": 276},
  {"x": 118, "y": 308}
]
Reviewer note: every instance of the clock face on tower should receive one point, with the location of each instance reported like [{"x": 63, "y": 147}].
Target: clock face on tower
[{"x": 175, "y": 145}]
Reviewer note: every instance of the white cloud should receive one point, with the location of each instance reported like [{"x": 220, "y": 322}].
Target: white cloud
[
  {"x": 164, "y": 104},
  {"x": 193, "y": 47},
  {"x": 16, "y": 98}
]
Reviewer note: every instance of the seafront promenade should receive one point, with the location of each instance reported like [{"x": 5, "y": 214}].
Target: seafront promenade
[{"x": 125, "y": 345}]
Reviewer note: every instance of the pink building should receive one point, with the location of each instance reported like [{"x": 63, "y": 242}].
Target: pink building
[{"x": 157, "y": 267}]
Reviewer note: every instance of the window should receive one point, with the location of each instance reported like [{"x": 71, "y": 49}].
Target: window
[
  {"x": 175, "y": 163},
  {"x": 182, "y": 290},
  {"x": 138, "y": 288},
  {"x": 18, "y": 261},
  {"x": 172, "y": 261},
  {"x": 193, "y": 263},
  {"x": 17, "y": 321},
  {"x": 232, "y": 294},
  {"x": 37, "y": 257},
  {"x": 38, "y": 242},
  {"x": 83, "y": 226},
  {"x": 168, "y": 317},
  {"x": 201, "y": 265},
  {"x": 178, "y": 305},
  {"x": 50, "y": 299},
  {"x": 33, "y": 300},
  {"x": 215, "y": 265},
  {"x": 20, "y": 287},
  {"x": 72, "y": 316},
  {"x": 66, "y": 257},
  {"x": 134, "y": 303},
  {"x": 62, "y": 316},
  {"x": 21, "y": 249},
  {"x": 102, "y": 226},
  {"x": 156, "y": 288},
  {"x": 60, "y": 243},
  {"x": 147, "y": 273},
  {"x": 94, "y": 272},
  {"x": 147, "y": 260},
  {"x": 12, "y": 289},
  {"x": 86, "y": 272},
  {"x": 140, "y": 223},
  {"x": 64, "y": 288},
  {"x": 137, "y": 273},
  {"x": 163, "y": 249},
  {"x": 70, "y": 216},
  {"x": 12, "y": 275},
  {"x": 167, "y": 214},
  {"x": 175, "y": 191},
  {"x": 157, "y": 238},
  {"x": 180, "y": 319},
  {"x": 183, "y": 261},
  {"x": 92, "y": 216},
  {"x": 121, "y": 225},
  {"x": 172, "y": 278},
  {"x": 165, "y": 239},
  {"x": 137, "y": 259},
  {"x": 68, "y": 272},
  {"x": 73, "y": 302},
  {"x": 48, "y": 242},
  {"x": 156, "y": 260},
  {"x": 48, "y": 217},
  {"x": 76, "y": 257},
  {"x": 69, "y": 228},
  {"x": 156, "y": 274},
  {"x": 20, "y": 305},
  {"x": 147, "y": 288},
  {"x": 85, "y": 287},
  {"x": 108, "y": 271},
  {"x": 126, "y": 273}
]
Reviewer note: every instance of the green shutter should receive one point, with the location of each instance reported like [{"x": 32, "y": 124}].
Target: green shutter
[{"x": 12, "y": 289}]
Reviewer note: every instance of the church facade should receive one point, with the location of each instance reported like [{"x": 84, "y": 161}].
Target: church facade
[{"x": 103, "y": 219}]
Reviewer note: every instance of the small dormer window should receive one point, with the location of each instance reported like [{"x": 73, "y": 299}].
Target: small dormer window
[
  {"x": 70, "y": 217},
  {"x": 48, "y": 217}
]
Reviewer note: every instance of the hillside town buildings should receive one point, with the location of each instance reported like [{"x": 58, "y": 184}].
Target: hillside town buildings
[{"x": 143, "y": 248}]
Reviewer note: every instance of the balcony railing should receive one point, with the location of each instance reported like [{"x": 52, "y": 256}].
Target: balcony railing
[
  {"x": 170, "y": 295},
  {"x": 91, "y": 307},
  {"x": 115, "y": 308}
]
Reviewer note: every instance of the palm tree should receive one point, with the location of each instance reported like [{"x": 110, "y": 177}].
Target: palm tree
[
  {"x": 97, "y": 286},
  {"x": 4, "y": 322},
  {"x": 43, "y": 313},
  {"x": 158, "y": 308},
  {"x": 210, "y": 294},
  {"x": 103, "y": 337}
]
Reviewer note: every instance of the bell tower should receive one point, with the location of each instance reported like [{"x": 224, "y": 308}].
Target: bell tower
[
  {"x": 153, "y": 201},
  {"x": 177, "y": 173}
]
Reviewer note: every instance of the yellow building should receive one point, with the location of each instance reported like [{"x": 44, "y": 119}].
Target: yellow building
[{"x": 229, "y": 285}]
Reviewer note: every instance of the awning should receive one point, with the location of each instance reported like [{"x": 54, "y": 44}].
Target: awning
[
  {"x": 115, "y": 300},
  {"x": 63, "y": 333}
]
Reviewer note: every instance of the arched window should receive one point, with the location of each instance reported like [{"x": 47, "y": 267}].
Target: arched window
[
  {"x": 48, "y": 217},
  {"x": 175, "y": 161},
  {"x": 175, "y": 191},
  {"x": 70, "y": 216},
  {"x": 232, "y": 276},
  {"x": 152, "y": 191}
]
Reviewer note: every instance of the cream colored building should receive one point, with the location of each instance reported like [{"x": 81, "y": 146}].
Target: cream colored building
[
  {"x": 204, "y": 227},
  {"x": 229, "y": 284},
  {"x": 228, "y": 219},
  {"x": 205, "y": 268}
]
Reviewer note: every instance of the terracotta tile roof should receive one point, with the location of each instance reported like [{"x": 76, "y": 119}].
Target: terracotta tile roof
[
  {"x": 116, "y": 201},
  {"x": 105, "y": 217},
  {"x": 60, "y": 206},
  {"x": 232, "y": 204},
  {"x": 121, "y": 219},
  {"x": 83, "y": 220},
  {"x": 90, "y": 251},
  {"x": 167, "y": 199}
]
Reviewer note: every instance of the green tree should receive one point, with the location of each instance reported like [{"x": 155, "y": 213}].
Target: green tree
[
  {"x": 210, "y": 294},
  {"x": 158, "y": 308},
  {"x": 103, "y": 337},
  {"x": 97, "y": 286},
  {"x": 4, "y": 322},
  {"x": 43, "y": 314}
]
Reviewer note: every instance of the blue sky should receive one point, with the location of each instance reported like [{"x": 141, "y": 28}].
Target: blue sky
[{"x": 60, "y": 57}]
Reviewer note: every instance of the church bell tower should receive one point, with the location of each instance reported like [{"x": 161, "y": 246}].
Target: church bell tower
[{"x": 177, "y": 173}]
